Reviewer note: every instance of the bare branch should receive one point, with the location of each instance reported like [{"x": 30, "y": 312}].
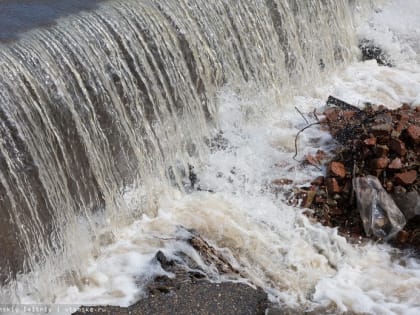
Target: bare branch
[
  {"x": 297, "y": 135},
  {"x": 301, "y": 114}
]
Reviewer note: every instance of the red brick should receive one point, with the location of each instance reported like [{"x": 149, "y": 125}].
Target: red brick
[
  {"x": 414, "y": 133},
  {"x": 406, "y": 178},
  {"x": 395, "y": 164},
  {"x": 337, "y": 169}
]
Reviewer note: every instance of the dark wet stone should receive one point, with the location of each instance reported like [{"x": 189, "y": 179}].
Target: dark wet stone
[
  {"x": 371, "y": 51},
  {"x": 409, "y": 203}
]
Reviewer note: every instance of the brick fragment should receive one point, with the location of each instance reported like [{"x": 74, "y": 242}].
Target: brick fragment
[
  {"x": 414, "y": 133},
  {"x": 337, "y": 169},
  {"x": 395, "y": 164},
  {"x": 406, "y": 178}
]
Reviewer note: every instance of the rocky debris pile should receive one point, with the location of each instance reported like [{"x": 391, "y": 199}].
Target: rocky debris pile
[
  {"x": 189, "y": 291},
  {"x": 378, "y": 157}
]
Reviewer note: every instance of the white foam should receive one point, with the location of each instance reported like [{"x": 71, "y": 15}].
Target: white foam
[{"x": 395, "y": 27}]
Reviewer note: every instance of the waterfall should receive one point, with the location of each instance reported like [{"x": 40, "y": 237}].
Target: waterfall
[{"x": 123, "y": 97}]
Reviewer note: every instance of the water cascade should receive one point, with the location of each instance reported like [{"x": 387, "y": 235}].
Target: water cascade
[{"x": 123, "y": 97}]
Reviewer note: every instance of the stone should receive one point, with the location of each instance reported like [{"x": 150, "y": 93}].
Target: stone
[
  {"x": 161, "y": 258},
  {"x": 409, "y": 203},
  {"x": 381, "y": 130},
  {"x": 395, "y": 164},
  {"x": 309, "y": 198},
  {"x": 380, "y": 163},
  {"x": 414, "y": 133},
  {"x": 337, "y": 169},
  {"x": 398, "y": 147},
  {"x": 406, "y": 178},
  {"x": 333, "y": 186}
]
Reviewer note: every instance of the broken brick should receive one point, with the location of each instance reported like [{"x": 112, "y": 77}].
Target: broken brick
[
  {"x": 337, "y": 169},
  {"x": 395, "y": 164},
  {"x": 414, "y": 133},
  {"x": 406, "y": 178}
]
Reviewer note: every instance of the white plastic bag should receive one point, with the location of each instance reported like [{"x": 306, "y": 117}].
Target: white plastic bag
[{"x": 380, "y": 215}]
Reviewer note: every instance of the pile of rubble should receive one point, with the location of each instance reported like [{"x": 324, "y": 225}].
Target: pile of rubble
[{"x": 371, "y": 187}]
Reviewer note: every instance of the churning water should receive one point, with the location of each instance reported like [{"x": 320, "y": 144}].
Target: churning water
[{"x": 103, "y": 112}]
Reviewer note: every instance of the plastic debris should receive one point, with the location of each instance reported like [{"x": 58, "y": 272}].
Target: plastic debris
[{"x": 380, "y": 215}]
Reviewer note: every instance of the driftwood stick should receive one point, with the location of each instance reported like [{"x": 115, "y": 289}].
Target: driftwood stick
[
  {"x": 297, "y": 136},
  {"x": 301, "y": 114},
  {"x": 315, "y": 115}
]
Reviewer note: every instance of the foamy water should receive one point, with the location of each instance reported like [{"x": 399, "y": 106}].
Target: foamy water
[{"x": 300, "y": 264}]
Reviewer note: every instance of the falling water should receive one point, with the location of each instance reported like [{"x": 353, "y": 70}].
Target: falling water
[{"x": 123, "y": 98}]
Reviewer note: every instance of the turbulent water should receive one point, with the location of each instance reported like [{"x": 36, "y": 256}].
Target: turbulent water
[{"x": 103, "y": 114}]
